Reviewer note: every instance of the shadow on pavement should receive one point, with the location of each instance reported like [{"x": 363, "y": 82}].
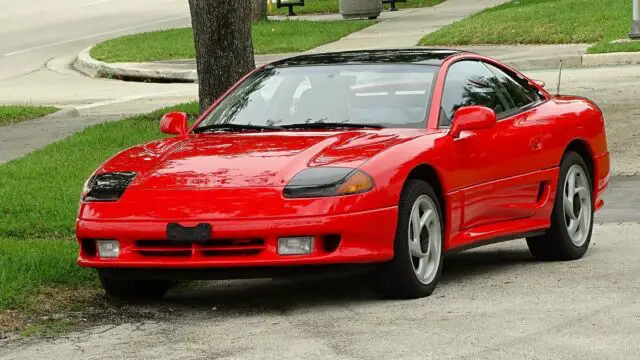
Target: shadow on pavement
[
  {"x": 266, "y": 295},
  {"x": 467, "y": 266}
]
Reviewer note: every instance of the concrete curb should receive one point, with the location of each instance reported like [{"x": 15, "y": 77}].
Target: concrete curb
[
  {"x": 160, "y": 72},
  {"x": 619, "y": 58},
  {"x": 89, "y": 66}
]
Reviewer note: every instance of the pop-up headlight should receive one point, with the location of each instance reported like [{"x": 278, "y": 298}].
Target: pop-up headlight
[
  {"x": 107, "y": 186},
  {"x": 328, "y": 181}
]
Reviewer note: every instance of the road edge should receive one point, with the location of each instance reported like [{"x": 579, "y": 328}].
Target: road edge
[
  {"x": 616, "y": 58},
  {"x": 154, "y": 72},
  {"x": 91, "y": 67}
]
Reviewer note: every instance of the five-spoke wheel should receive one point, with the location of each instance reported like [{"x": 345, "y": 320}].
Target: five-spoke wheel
[
  {"x": 577, "y": 205},
  {"x": 417, "y": 263},
  {"x": 425, "y": 239},
  {"x": 572, "y": 217}
]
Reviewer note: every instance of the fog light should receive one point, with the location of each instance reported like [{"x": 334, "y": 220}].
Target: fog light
[
  {"x": 295, "y": 245},
  {"x": 108, "y": 248}
]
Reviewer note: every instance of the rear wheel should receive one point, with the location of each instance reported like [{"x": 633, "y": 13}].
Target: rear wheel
[
  {"x": 416, "y": 267},
  {"x": 572, "y": 216},
  {"x": 131, "y": 289}
]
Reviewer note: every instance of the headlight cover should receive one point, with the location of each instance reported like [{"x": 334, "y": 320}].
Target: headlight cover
[
  {"x": 328, "y": 181},
  {"x": 107, "y": 186}
]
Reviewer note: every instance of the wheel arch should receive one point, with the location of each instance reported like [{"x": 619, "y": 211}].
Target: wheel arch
[
  {"x": 429, "y": 174},
  {"x": 582, "y": 148}
]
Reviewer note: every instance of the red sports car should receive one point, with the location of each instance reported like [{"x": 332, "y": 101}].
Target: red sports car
[{"x": 383, "y": 159}]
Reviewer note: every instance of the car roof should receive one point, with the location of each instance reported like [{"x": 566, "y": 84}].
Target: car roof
[{"x": 396, "y": 56}]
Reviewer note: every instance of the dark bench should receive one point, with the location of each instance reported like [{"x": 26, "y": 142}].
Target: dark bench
[
  {"x": 290, "y": 4},
  {"x": 393, "y": 3}
]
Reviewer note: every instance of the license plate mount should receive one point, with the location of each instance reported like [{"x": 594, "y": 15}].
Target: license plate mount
[{"x": 179, "y": 233}]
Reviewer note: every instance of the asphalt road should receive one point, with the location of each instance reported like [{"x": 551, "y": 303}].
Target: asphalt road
[
  {"x": 493, "y": 303},
  {"x": 39, "y": 38}
]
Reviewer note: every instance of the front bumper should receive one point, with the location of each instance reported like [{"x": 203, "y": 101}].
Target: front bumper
[
  {"x": 602, "y": 173},
  {"x": 352, "y": 238}
]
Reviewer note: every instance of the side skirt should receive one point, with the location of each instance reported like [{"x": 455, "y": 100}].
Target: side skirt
[{"x": 494, "y": 241}]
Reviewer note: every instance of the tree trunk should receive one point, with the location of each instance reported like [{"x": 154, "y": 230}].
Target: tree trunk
[
  {"x": 258, "y": 10},
  {"x": 224, "y": 49}
]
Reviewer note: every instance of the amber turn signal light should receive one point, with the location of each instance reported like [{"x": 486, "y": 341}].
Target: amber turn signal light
[{"x": 356, "y": 183}]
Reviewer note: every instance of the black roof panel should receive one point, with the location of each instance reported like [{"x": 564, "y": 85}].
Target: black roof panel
[{"x": 403, "y": 56}]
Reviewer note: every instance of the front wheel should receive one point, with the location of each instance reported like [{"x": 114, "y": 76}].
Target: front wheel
[
  {"x": 572, "y": 216},
  {"x": 416, "y": 267}
]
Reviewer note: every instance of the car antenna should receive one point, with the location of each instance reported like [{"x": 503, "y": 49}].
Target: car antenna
[{"x": 559, "y": 77}]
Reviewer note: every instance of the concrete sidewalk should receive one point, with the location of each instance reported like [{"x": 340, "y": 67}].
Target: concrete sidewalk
[
  {"x": 395, "y": 30},
  {"x": 409, "y": 26},
  {"x": 20, "y": 139}
]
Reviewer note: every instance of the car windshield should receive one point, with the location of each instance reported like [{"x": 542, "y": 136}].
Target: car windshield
[{"x": 385, "y": 95}]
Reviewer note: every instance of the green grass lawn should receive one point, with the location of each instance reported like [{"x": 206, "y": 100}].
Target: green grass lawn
[
  {"x": 540, "y": 22},
  {"x": 40, "y": 194},
  {"x": 333, "y": 6},
  {"x": 607, "y": 47},
  {"x": 269, "y": 37},
  {"x": 11, "y": 114},
  {"x": 28, "y": 265}
]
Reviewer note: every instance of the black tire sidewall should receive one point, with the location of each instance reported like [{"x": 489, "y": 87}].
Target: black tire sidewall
[
  {"x": 402, "y": 258},
  {"x": 558, "y": 226}
]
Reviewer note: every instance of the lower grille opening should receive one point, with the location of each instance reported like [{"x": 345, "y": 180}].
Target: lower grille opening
[
  {"x": 221, "y": 243},
  {"x": 89, "y": 247},
  {"x": 233, "y": 247},
  {"x": 175, "y": 253},
  {"x": 231, "y": 252},
  {"x": 212, "y": 247},
  {"x": 331, "y": 242},
  {"x": 165, "y": 244}
]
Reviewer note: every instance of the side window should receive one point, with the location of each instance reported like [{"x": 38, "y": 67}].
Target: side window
[
  {"x": 520, "y": 93},
  {"x": 470, "y": 83}
]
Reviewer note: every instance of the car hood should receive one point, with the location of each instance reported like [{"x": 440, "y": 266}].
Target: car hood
[{"x": 250, "y": 159}]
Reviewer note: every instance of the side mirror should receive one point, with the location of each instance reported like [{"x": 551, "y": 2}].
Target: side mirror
[
  {"x": 175, "y": 123},
  {"x": 472, "y": 118}
]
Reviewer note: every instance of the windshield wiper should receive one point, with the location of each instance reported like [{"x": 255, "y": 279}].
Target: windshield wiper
[
  {"x": 331, "y": 125},
  {"x": 232, "y": 127}
]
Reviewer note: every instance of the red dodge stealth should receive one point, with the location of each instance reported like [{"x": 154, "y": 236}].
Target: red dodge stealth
[{"x": 385, "y": 159}]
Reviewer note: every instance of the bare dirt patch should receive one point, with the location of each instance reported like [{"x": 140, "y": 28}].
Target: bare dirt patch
[{"x": 52, "y": 310}]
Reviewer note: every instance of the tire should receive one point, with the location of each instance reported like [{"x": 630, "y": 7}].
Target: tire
[
  {"x": 558, "y": 244},
  {"x": 128, "y": 289},
  {"x": 399, "y": 278}
]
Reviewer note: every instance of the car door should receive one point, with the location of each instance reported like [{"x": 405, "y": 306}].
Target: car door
[
  {"x": 527, "y": 116},
  {"x": 492, "y": 169}
]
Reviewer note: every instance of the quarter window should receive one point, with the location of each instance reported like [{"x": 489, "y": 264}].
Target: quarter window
[
  {"x": 519, "y": 94},
  {"x": 471, "y": 83}
]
